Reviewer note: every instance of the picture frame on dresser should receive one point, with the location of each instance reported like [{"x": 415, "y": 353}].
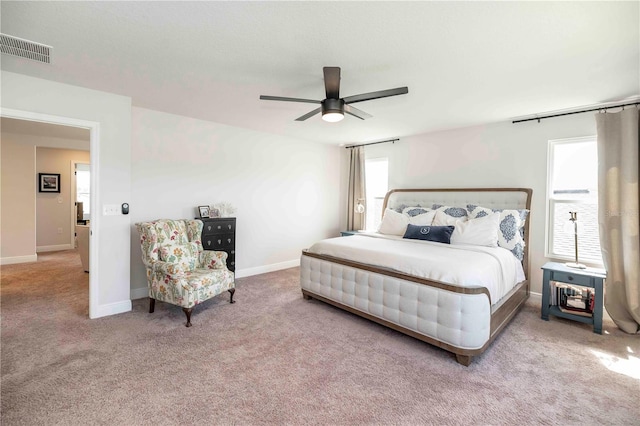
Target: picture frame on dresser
[{"x": 203, "y": 211}]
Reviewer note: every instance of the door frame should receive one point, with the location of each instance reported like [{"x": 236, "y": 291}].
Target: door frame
[{"x": 94, "y": 144}]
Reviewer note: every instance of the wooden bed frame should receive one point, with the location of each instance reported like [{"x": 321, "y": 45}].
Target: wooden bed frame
[{"x": 501, "y": 313}]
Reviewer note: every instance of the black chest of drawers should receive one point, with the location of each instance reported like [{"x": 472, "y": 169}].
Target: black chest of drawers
[{"x": 219, "y": 234}]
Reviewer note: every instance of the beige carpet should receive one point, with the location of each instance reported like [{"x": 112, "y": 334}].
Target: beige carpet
[{"x": 274, "y": 358}]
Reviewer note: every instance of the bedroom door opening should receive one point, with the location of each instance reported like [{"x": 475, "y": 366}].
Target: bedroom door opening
[{"x": 94, "y": 138}]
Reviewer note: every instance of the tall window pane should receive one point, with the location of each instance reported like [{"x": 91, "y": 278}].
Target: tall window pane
[
  {"x": 377, "y": 182},
  {"x": 573, "y": 187}
]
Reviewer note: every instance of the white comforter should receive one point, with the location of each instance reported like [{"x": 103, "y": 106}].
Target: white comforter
[{"x": 463, "y": 265}]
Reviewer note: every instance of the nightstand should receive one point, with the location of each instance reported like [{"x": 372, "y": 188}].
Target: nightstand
[
  {"x": 590, "y": 277},
  {"x": 348, "y": 233}
]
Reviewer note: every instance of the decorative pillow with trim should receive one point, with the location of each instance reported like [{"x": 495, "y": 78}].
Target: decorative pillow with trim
[
  {"x": 510, "y": 228},
  {"x": 184, "y": 255},
  {"x": 437, "y": 234},
  {"x": 393, "y": 223}
]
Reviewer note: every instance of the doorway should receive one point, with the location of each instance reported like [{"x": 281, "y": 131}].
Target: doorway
[{"x": 93, "y": 128}]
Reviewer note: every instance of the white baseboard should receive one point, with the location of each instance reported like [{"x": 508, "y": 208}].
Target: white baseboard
[
  {"x": 111, "y": 309},
  {"x": 59, "y": 247},
  {"x": 18, "y": 259},
  {"x": 267, "y": 268},
  {"x": 139, "y": 293},
  {"x": 142, "y": 292}
]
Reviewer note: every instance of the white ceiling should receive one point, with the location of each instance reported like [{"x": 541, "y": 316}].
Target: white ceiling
[{"x": 465, "y": 63}]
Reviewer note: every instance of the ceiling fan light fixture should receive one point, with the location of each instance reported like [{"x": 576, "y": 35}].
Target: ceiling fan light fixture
[
  {"x": 332, "y": 117},
  {"x": 332, "y": 110}
]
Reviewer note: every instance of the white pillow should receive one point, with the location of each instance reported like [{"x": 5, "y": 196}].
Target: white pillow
[
  {"x": 393, "y": 223},
  {"x": 482, "y": 231},
  {"x": 424, "y": 219},
  {"x": 443, "y": 219}
]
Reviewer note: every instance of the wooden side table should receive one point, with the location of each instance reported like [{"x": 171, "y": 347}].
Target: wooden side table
[{"x": 590, "y": 277}]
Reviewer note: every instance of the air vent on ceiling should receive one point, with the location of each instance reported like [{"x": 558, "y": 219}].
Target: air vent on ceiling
[{"x": 15, "y": 46}]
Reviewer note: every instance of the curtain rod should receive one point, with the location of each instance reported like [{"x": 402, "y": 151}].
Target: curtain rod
[
  {"x": 372, "y": 143},
  {"x": 575, "y": 112}
]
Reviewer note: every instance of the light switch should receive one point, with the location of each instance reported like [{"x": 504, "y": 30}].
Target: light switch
[{"x": 110, "y": 209}]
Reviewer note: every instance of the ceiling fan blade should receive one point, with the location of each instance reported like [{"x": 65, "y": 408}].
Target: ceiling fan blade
[
  {"x": 376, "y": 95},
  {"x": 356, "y": 112},
  {"x": 332, "y": 82},
  {"x": 280, "y": 98},
  {"x": 309, "y": 114}
]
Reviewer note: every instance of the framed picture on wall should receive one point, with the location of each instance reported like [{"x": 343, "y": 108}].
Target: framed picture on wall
[
  {"x": 204, "y": 211},
  {"x": 48, "y": 182}
]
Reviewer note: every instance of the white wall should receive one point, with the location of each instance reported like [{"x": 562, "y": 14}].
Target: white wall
[
  {"x": 18, "y": 201},
  {"x": 495, "y": 155},
  {"x": 53, "y": 209},
  {"x": 286, "y": 191},
  {"x": 111, "y": 234}
]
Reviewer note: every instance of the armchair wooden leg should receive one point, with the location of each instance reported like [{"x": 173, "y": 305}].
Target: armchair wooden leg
[
  {"x": 232, "y": 290},
  {"x": 152, "y": 305},
  {"x": 187, "y": 312}
]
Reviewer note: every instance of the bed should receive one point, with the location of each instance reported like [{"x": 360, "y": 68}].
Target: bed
[{"x": 457, "y": 301}]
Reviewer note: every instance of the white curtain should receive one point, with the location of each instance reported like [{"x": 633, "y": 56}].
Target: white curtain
[
  {"x": 356, "y": 221},
  {"x": 619, "y": 215}
]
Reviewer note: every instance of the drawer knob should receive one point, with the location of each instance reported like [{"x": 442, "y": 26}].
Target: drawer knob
[
  {"x": 229, "y": 226},
  {"x": 229, "y": 240},
  {"x": 570, "y": 277},
  {"x": 219, "y": 241},
  {"x": 233, "y": 263},
  {"x": 209, "y": 228},
  {"x": 208, "y": 243},
  {"x": 233, "y": 252},
  {"x": 219, "y": 227}
]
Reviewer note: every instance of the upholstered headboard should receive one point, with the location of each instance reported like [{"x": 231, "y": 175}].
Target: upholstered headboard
[{"x": 493, "y": 198}]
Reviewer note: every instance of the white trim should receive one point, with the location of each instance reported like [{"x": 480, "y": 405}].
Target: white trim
[
  {"x": 18, "y": 259},
  {"x": 139, "y": 293},
  {"x": 111, "y": 309},
  {"x": 59, "y": 247},
  {"x": 94, "y": 128},
  {"x": 267, "y": 268}
]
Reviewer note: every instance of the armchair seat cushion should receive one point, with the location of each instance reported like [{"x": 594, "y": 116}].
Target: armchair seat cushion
[
  {"x": 192, "y": 287},
  {"x": 185, "y": 255}
]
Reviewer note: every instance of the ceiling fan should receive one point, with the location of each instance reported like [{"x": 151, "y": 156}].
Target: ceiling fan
[{"x": 334, "y": 107}]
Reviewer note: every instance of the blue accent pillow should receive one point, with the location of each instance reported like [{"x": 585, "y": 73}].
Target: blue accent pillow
[{"x": 437, "y": 234}]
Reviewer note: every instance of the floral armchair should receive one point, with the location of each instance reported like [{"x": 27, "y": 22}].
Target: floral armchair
[{"x": 179, "y": 270}]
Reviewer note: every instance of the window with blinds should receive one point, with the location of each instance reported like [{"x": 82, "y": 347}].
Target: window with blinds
[{"x": 572, "y": 186}]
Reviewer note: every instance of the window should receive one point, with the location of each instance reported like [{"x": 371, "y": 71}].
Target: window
[
  {"x": 83, "y": 188},
  {"x": 572, "y": 186},
  {"x": 377, "y": 183}
]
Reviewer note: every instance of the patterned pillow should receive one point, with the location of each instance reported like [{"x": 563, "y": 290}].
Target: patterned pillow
[
  {"x": 415, "y": 211},
  {"x": 184, "y": 255},
  {"x": 511, "y": 227},
  {"x": 457, "y": 212}
]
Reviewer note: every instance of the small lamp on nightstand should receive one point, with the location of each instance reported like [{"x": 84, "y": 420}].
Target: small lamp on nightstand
[
  {"x": 360, "y": 209},
  {"x": 572, "y": 226}
]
